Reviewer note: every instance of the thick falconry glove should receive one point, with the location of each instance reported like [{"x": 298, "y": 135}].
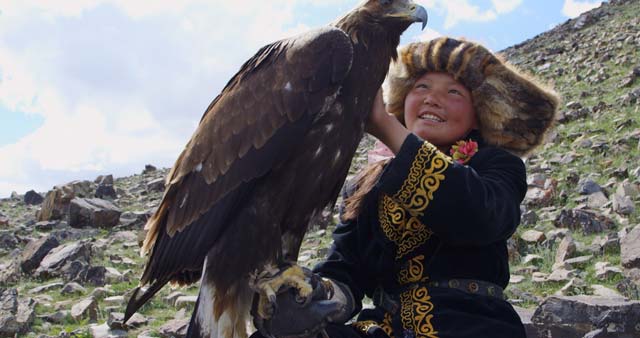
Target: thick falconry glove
[{"x": 294, "y": 317}]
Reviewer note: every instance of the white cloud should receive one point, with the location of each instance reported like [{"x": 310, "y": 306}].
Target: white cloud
[
  {"x": 119, "y": 83},
  {"x": 427, "y": 34},
  {"x": 505, "y": 6},
  {"x": 457, "y": 11},
  {"x": 573, "y": 8}
]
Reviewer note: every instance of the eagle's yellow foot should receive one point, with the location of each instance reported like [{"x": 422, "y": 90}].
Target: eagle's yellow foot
[{"x": 271, "y": 281}]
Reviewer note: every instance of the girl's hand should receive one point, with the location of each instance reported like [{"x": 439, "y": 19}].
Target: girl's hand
[{"x": 384, "y": 126}]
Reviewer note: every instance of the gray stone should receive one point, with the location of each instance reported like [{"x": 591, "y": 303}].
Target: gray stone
[
  {"x": 35, "y": 251},
  {"x": 186, "y": 302},
  {"x": 575, "y": 316},
  {"x": 8, "y": 240},
  {"x": 106, "y": 191},
  {"x": 33, "y": 198},
  {"x": 93, "y": 212},
  {"x": 603, "y": 291},
  {"x": 622, "y": 204},
  {"x": 176, "y": 328},
  {"x": 59, "y": 256},
  {"x": 566, "y": 249},
  {"x": 588, "y": 187},
  {"x": 516, "y": 279},
  {"x": 45, "y": 288},
  {"x": 73, "y": 288},
  {"x": 630, "y": 250},
  {"x": 579, "y": 262},
  {"x": 604, "y": 271},
  {"x": 96, "y": 276},
  {"x": 148, "y": 169},
  {"x": 628, "y": 288},
  {"x": 156, "y": 185},
  {"x": 86, "y": 308},
  {"x": 115, "y": 321},
  {"x": 627, "y": 188},
  {"x": 588, "y": 221},
  {"x": 560, "y": 275},
  {"x": 9, "y": 271},
  {"x": 597, "y": 200},
  {"x": 103, "y": 331},
  {"x": 57, "y": 317},
  {"x": 532, "y": 236},
  {"x": 16, "y": 313},
  {"x": 529, "y": 218},
  {"x": 104, "y": 179},
  {"x": 74, "y": 271}
]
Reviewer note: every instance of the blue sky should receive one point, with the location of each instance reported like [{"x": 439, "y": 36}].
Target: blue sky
[{"x": 91, "y": 87}]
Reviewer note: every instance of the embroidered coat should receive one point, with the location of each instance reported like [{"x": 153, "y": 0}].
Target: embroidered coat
[{"x": 430, "y": 219}]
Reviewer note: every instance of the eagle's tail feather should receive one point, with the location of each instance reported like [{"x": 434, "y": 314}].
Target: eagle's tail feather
[
  {"x": 137, "y": 300},
  {"x": 230, "y": 323}
]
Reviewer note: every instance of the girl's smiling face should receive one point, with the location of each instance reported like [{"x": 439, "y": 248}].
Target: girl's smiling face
[{"x": 439, "y": 109}]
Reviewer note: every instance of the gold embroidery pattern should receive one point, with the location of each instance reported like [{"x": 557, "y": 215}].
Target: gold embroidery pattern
[
  {"x": 425, "y": 175},
  {"x": 407, "y": 234},
  {"x": 364, "y": 326},
  {"x": 416, "y": 312},
  {"x": 424, "y": 179},
  {"x": 413, "y": 272},
  {"x": 386, "y": 325}
]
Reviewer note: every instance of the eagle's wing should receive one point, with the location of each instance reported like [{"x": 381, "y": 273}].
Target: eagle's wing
[{"x": 245, "y": 132}]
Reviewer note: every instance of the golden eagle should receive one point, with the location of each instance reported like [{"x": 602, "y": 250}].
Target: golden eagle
[{"x": 270, "y": 151}]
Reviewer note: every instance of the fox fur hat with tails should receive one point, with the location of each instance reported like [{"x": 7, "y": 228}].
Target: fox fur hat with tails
[{"x": 514, "y": 111}]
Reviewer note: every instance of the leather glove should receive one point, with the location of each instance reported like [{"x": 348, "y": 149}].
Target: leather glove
[{"x": 330, "y": 302}]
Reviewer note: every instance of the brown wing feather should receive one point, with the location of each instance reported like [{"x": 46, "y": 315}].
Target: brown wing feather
[{"x": 268, "y": 105}]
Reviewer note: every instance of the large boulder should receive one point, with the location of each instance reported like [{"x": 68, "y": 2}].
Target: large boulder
[
  {"x": 51, "y": 264},
  {"x": 93, "y": 212},
  {"x": 85, "y": 309},
  {"x": 576, "y": 316},
  {"x": 35, "y": 251}
]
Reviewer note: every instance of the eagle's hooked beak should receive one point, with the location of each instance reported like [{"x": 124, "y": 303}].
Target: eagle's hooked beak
[
  {"x": 414, "y": 13},
  {"x": 420, "y": 15}
]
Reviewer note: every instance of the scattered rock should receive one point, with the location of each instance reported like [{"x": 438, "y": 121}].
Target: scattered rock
[
  {"x": 516, "y": 279},
  {"x": 73, "y": 288},
  {"x": 156, "y": 185},
  {"x": 532, "y": 259},
  {"x": 33, "y": 198},
  {"x": 148, "y": 169},
  {"x": 529, "y": 218},
  {"x": 59, "y": 256},
  {"x": 566, "y": 249},
  {"x": 604, "y": 271},
  {"x": 86, "y": 308},
  {"x": 630, "y": 250},
  {"x": 532, "y": 236},
  {"x": 106, "y": 191},
  {"x": 588, "y": 187},
  {"x": 16, "y": 313},
  {"x": 603, "y": 291},
  {"x": 186, "y": 302},
  {"x": 622, "y": 204},
  {"x": 35, "y": 251},
  {"x": 176, "y": 328},
  {"x": 597, "y": 200},
  {"x": 578, "y": 262},
  {"x": 560, "y": 275},
  {"x": 588, "y": 221},
  {"x": 93, "y": 212},
  {"x": 115, "y": 321},
  {"x": 575, "y": 316},
  {"x": 45, "y": 288},
  {"x": 103, "y": 331}
]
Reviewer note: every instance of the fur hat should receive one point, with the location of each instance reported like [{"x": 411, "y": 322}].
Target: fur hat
[{"x": 514, "y": 111}]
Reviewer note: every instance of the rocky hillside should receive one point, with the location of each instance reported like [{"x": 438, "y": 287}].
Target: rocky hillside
[{"x": 69, "y": 257}]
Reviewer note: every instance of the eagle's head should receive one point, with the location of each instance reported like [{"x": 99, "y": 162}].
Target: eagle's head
[
  {"x": 382, "y": 20},
  {"x": 398, "y": 14}
]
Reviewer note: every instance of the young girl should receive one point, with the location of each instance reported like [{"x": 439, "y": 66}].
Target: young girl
[{"x": 424, "y": 233}]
